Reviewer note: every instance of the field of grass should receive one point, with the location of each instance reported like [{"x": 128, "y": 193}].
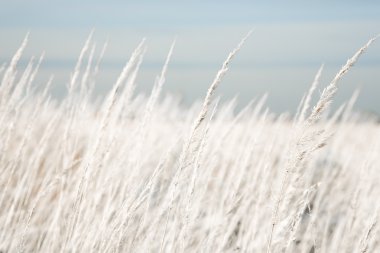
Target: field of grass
[{"x": 145, "y": 174}]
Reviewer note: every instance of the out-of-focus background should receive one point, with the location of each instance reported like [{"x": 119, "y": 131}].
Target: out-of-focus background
[{"x": 291, "y": 39}]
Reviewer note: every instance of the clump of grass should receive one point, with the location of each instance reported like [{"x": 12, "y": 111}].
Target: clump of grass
[{"x": 144, "y": 174}]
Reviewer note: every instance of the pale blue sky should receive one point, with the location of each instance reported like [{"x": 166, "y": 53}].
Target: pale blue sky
[{"x": 291, "y": 40}]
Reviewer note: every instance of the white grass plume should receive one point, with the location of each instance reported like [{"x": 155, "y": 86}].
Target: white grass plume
[
  {"x": 197, "y": 123},
  {"x": 306, "y": 104},
  {"x": 329, "y": 92},
  {"x": 297, "y": 156}
]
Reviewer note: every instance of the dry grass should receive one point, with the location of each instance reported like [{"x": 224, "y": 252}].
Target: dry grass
[{"x": 137, "y": 174}]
